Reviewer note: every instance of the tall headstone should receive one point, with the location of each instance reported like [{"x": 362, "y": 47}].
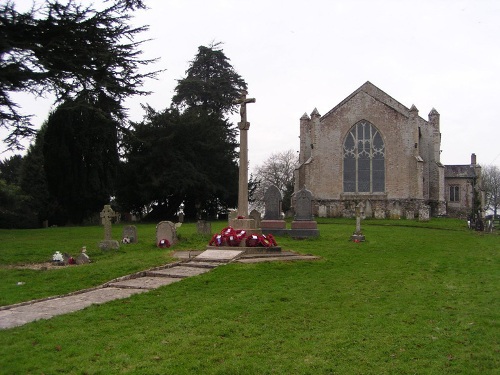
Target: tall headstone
[
  {"x": 165, "y": 230},
  {"x": 273, "y": 222},
  {"x": 107, "y": 215},
  {"x": 272, "y": 203},
  {"x": 303, "y": 225},
  {"x": 303, "y": 205}
]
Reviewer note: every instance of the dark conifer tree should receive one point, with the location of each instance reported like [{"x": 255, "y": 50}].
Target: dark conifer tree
[
  {"x": 80, "y": 155},
  {"x": 64, "y": 48}
]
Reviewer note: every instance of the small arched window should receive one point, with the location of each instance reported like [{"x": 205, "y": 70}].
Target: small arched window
[{"x": 364, "y": 160}]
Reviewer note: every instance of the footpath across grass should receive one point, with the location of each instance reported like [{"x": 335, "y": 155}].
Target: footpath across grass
[{"x": 415, "y": 298}]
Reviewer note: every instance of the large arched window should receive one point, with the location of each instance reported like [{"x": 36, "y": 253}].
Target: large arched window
[{"x": 364, "y": 160}]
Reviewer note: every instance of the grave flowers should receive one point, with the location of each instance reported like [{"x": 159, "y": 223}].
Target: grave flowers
[
  {"x": 57, "y": 257},
  {"x": 164, "y": 243},
  {"x": 231, "y": 237}
]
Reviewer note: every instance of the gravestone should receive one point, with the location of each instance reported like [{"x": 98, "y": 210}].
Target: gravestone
[
  {"x": 107, "y": 215},
  {"x": 424, "y": 213},
  {"x": 379, "y": 213},
  {"x": 165, "y": 230},
  {"x": 303, "y": 226},
  {"x": 255, "y": 215},
  {"x": 203, "y": 227},
  {"x": 272, "y": 203},
  {"x": 130, "y": 232},
  {"x": 82, "y": 259},
  {"x": 273, "y": 222},
  {"x": 358, "y": 234},
  {"x": 410, "y": 214}
]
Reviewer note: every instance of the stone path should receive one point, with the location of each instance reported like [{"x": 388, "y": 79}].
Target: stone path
[{"x": 192, "y": 263}]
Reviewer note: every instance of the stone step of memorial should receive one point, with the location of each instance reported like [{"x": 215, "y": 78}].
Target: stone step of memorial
[
  {"x": 247, "y": 250},
  {"x": 145, "y": 282},
  {"x": 220, "y": 256},
  {"x": 178, "y": 272},
  {"x": 274, "y": 258},
  {"x": 202, "y": 264}
]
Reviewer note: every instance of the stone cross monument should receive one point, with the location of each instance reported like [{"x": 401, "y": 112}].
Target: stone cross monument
[
  {"x": 107, "y": 214},
  {"x": 358, "y": 234},
  {"x": 243, "y": 125}
]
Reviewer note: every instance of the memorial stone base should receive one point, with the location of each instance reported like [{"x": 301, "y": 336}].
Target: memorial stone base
[
  {"x": 358, "y": 238},
  {"x": 274, "y": 227},
  {"x": 109, "y": 245},
  {"x": 304, "y": 229}
]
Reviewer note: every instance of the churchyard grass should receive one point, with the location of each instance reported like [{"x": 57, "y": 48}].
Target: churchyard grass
[{"x": 415, "y": 298}]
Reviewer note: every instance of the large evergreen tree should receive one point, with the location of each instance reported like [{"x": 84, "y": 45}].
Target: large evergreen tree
[
  {"x": 80, "y": 155},
  {"x": 211, "y": 83},
  {"x": 187, "y": 154},
  {"x": 66, "y": 49}
]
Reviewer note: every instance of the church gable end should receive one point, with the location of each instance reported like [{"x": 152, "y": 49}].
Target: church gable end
[{"x": 369, "y": 148}]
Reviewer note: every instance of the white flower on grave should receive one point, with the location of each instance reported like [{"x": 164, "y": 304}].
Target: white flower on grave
[
  {"x": 57, "y": 257},
  {"x": 126, "y": 240}
]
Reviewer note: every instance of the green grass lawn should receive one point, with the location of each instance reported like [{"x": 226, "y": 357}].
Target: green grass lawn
[{"x": 415, "y": 298}]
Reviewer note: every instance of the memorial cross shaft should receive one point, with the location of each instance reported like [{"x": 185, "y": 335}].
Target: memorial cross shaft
[{"x": 243, "y": 125}]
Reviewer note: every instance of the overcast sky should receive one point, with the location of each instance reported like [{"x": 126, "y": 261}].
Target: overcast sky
[{"x": 299, "y": 55}]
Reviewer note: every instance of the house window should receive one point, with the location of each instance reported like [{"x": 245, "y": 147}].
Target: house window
[
  {"x": 364, "y": 160},
  {"x": 454, "y": 193}
]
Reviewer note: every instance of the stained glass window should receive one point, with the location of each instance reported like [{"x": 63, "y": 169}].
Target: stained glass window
[{"x": 364, "y": 160}]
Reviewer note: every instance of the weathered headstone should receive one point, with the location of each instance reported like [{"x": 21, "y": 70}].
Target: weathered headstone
[
  {"x": 107, "y": 215},
  {"x": 358, "y": 234},
  {"x": 424, "y": 213},
  {"x": 273, "y": 222},
  {"x": 303, "y": 226},
  {"x": 410, "y": 214},
  {"x": 379, "y": 213},
  {"x": 130, "y": 232},
  {"x": 272, "y": 203},
  {"x": 203, "y": 227},
  {"x": 82, "y": 259},
  {"x": 303, "y": 205},
  {"x": 165, "y": 230},
  {"x": 255, "y": 215}
]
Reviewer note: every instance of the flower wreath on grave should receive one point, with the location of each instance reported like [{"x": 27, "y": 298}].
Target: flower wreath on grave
[
  {"x": 231, "y": 237},
  {"x": 164, "y": 243}
]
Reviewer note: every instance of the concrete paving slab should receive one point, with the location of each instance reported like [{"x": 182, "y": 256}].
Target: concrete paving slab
[
  {"x": 219, "y": 255},
  {"x": 46, "y": 309},
  {"x": 179, "y": 271},
  {"x": 146, "y": 282}
]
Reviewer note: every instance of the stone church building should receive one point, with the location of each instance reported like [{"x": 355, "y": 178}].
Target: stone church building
[{"x": 372, "y": 149}]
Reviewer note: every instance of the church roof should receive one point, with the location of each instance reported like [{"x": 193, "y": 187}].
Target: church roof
[
  {"x": 459, "y": 171},
  {"x": 373, "y": 91}
]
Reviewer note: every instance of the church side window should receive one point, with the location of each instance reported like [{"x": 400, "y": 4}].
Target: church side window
[
  {"x": 364, "y": 160},
  {"x": 454, "y": 193}
]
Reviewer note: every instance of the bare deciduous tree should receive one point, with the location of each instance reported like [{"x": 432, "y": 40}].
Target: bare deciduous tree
[
  {"x": 491, "y": 186},
  {"x": 277, "y": 170}
]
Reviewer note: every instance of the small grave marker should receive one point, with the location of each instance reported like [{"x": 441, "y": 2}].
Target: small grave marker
[
  {"x": 165, "y": 230},
  {"x": 130, "y": 233}
]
